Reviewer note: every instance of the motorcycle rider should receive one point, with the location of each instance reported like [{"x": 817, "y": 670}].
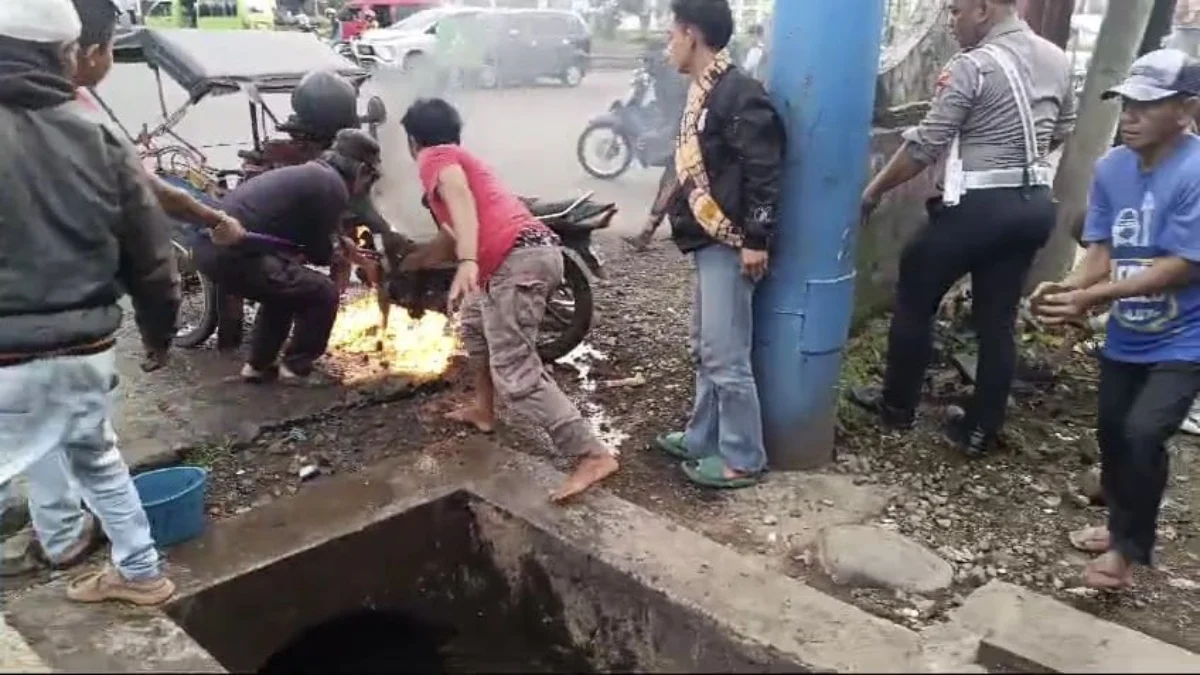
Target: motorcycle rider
[
  {"x": 301, "y": 205},
  {"x": 670, "y": 95},
  {"x": 80, "y": 226}
]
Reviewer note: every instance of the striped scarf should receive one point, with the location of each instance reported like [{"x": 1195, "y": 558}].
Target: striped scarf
[{"x": 689, "y": 159}]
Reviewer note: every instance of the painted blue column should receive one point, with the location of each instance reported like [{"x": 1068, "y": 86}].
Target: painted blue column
[{"x": 823, "y": 67}]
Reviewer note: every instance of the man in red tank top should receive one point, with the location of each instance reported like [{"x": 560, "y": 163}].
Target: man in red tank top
[{"x": 508, "y": 265}]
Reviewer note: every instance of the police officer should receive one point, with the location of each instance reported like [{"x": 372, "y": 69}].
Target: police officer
[{"x": 1003, "y": 103}]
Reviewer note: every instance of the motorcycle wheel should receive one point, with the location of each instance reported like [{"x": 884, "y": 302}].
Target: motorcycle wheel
[
  {"x": 583, "y": 154},
  {"x": 198, "y": 309},
  {"x": 568, "y": 314}
]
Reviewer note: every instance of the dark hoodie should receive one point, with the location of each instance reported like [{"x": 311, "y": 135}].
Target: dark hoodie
[{"x": 77, "y": 222}]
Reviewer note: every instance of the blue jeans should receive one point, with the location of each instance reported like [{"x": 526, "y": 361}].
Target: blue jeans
[
  {"x": 61, "y": 408},
  {"x": 726, "y": 418},
  {"x": 54, "y": 504}
]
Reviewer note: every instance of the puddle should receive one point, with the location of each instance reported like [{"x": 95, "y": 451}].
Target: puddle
[{"x": 581, "y": 359}]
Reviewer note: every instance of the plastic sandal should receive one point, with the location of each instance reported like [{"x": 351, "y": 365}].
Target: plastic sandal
[{"x": 710, "y": 472}]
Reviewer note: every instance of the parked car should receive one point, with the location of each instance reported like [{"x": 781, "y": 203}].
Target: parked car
[
  {"x": 411, "y": 42},
  {"x": 516, "y": 46}
]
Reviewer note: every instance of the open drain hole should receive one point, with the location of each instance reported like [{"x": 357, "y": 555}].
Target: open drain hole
[{"x": 453, "y": 585}]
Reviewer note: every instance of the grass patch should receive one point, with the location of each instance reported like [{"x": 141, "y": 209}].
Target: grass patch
[{"x": 209, "y": 454}]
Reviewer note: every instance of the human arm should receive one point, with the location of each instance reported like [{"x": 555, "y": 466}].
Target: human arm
[
  {"x": 1179, "y": 243},
  {"x": 1068, "y": 113},
  {"x": 455, "y": 191},
  {"x": 148, "y": 268},
  {"x": 180, "y": 204},
  {"x": 757, "y": 138},
  {"x": 925, "y": 144}
]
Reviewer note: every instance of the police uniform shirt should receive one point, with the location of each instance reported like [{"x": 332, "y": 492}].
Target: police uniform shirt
[{"x": 976, "y": 104}]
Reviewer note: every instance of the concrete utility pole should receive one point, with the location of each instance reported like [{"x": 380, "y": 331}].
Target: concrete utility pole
[
  {"x": 822, "y": 79},
  {"x": 1121, "y": 34}
]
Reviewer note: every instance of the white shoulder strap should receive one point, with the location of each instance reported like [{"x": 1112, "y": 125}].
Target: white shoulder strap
[{"x": 1020, "y": 94}]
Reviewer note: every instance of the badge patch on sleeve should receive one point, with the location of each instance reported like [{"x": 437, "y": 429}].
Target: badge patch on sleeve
[
  {"x": 761, "y": 215},
  {"x": 943, "y": 81}
]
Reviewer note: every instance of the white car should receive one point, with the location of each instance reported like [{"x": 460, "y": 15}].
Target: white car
[{"x": 406, "y": 42}]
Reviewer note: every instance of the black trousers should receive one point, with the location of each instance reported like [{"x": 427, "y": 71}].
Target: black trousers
[
  {"x": 288, "y": 293},
  {"x": 1141, "y": 406},
  {"x": 993, "y": 235}
]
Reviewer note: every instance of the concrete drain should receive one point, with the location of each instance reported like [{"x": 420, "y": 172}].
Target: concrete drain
[
  {"x": 455, "y": 562},
  {"x": 452, "y": 585}
]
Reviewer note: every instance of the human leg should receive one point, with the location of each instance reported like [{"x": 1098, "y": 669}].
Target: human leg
[
  {"x": 725, "y": 376},
  {"x": 481, "y": 411},
  {"x": 512, "y": 312},
  {"x": 1157, "y": 410}
]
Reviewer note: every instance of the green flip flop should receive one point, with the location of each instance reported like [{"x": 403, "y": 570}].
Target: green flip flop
[
  {"x": 672, "y": 444},
  {"x": 710, "y": 472}
]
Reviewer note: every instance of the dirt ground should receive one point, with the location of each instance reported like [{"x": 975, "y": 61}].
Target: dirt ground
[{"x": 1003, "y": 517}]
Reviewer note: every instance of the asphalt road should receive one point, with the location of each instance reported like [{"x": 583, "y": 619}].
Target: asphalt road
[{"x": 529, "y": 135}]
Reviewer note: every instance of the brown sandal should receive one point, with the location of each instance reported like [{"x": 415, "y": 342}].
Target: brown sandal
[
  {"x": 107, "y": 584},
  {"x": 1095, "y": 539}
]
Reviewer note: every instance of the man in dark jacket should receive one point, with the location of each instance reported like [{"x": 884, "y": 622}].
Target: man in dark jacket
[
  {"x": 77, "y": 225},
  {"x": 722, "y": 204},
  {"x": 300, "y": 209}
]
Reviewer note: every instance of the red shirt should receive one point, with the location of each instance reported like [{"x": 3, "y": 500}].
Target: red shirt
[{"x": 502, "y": 216}]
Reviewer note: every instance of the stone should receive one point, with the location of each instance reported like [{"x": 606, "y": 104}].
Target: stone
[
  {"x": 1089, "y": 485},
  {"x": 869, "y": 556},
  {"x": 1024, "y": 631}
]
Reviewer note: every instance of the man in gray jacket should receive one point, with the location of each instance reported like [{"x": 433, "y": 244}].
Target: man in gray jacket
[{"x": 77, "y": 225}]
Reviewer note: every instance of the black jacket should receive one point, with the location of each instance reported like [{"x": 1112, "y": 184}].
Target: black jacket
[
  {"x": 742, "y": 140},
  {"x": 78, "y": 223}
]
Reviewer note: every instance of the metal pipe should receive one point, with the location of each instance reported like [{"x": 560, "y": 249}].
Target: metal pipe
[{"x": 822, "y": 80}]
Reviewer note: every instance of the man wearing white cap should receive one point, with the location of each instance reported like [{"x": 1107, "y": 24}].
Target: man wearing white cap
[
  {"x": 1143, "y": 253},
  {"x": 77, "y": 225}
]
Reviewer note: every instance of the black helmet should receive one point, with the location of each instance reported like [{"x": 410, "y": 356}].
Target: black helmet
[
  {"x": 324, "y": 103},
  {"x": 352, "y": 151}
]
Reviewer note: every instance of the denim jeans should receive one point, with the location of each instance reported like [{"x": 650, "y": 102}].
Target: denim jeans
[
  {"x": 62, "y": 407},
  {"x": 726, "y": 418},
  {"x": 54, "y": 504}
]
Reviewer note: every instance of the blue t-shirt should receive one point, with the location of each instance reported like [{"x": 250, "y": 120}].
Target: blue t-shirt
[{"x": 1145, "y": 215}]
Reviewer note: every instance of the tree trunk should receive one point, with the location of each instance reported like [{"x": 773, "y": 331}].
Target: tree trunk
[
  {"x": 1159, "y": 26},
  {"x": 1051, "y": 19},
  {"x": 1121, "y": 33}
]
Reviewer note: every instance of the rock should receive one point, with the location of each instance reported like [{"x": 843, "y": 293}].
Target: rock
[
  {"x": 865, "y": 555},
  {"x": 1183, "y": 584},
  {"x": 1089, "y": 485}
]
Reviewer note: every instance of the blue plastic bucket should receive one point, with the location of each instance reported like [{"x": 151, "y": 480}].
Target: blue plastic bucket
[{"x": 174, "y": 502}]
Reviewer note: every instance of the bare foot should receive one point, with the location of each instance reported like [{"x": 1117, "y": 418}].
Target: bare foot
[
  {"x": 473, "y": 416},
  {"x": 591, "y": 470},
  {"x": 1109, "y": 572},
  {"x": 1091, "y": 539}
]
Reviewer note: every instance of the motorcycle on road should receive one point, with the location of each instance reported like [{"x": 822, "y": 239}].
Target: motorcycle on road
[{"x": 634, "y": 128}]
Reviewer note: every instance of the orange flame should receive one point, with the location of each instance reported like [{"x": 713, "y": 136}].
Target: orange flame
[{"x": 415, "y": 347}]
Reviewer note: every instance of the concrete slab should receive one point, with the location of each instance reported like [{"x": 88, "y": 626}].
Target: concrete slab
[
  {"x": 1025, "y": 631},
  {"x": 783, "y": 620},
  {"x": 188, "y": 403},
  {"x": 15, "y": 654}
]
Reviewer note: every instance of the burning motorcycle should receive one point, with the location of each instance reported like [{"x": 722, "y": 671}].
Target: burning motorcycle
[{"x": 634, "y": 128}]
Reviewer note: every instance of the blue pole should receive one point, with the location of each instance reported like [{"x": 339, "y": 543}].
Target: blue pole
[{"x": 823, "y": 67}]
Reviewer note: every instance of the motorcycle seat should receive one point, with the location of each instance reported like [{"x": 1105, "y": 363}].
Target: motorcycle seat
[{"x": 588, "y": 215}]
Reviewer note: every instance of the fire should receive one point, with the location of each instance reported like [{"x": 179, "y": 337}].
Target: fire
[{"x": 416, "y": 347}]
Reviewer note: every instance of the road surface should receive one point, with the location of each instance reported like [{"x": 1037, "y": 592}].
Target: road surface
[{"x": 527, "y": 134}]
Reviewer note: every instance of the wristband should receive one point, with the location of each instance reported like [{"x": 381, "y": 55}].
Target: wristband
[{"x": 467, "y": 260}]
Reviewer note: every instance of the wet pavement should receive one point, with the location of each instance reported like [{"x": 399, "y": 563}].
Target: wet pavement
[{"x": 528, "y": 134}]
